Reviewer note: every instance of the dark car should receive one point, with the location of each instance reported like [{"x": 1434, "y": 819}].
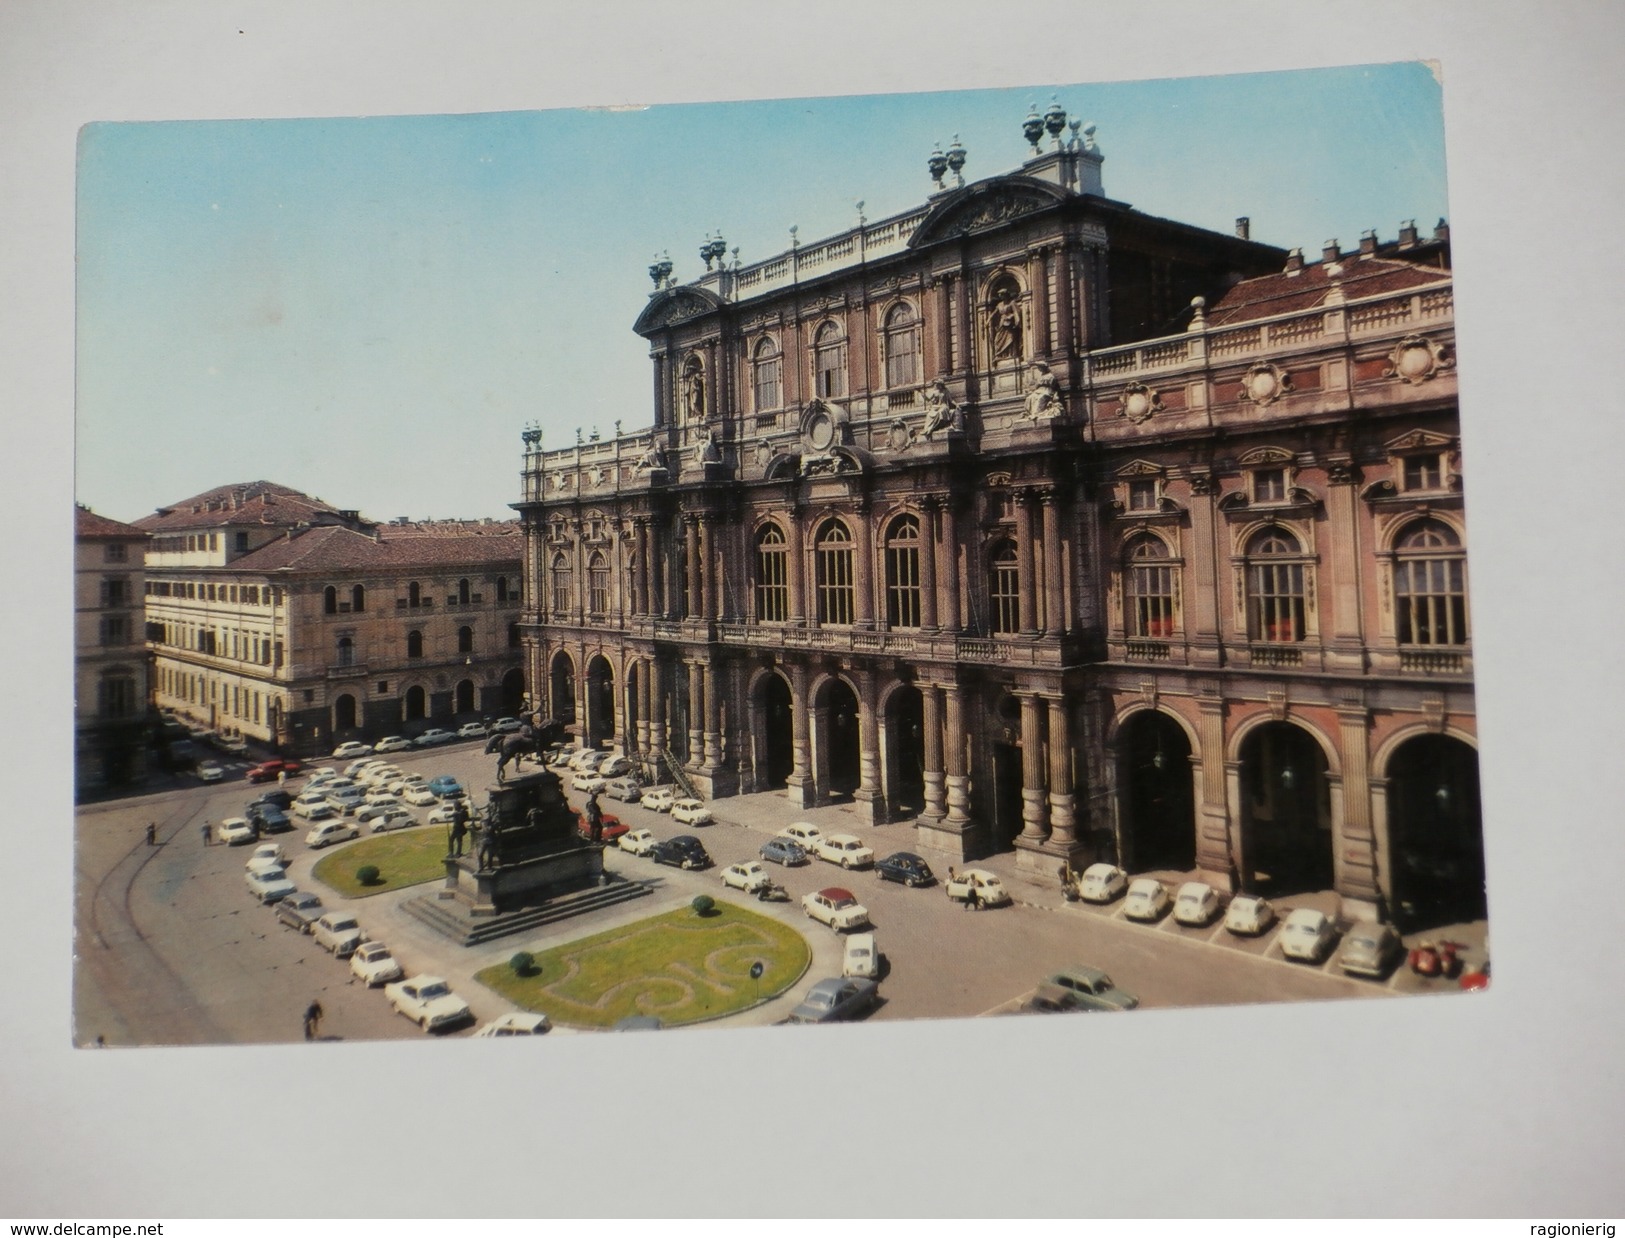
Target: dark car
[
  {"x": 276, "y": 799},
  {"x": 684, "y": 851},
  {"x": 906, "y": 867},
  {"x": 269, "y": 818},
  {"x": 300, "y": 910},
  {"x": 831, "y": 1000},
  {"x": 266, "y": 771},
  {"x": 783, "y": 851}
]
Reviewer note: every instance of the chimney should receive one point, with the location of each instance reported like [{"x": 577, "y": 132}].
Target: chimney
[
  {"x": 1331, "y": 251},
  {"x": 1441, "y": 231},
  {"x": 1294, "y": 261},
  {"x": 1407, "y": 234},
  {"x": 1244, "y": 227},
  {"x": 1368, "y": 243}
]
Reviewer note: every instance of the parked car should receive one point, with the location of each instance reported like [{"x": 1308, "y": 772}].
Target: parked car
[
  {"x": 986, "y": 886},
  {"x": 1093, "y": 989},
  {"x": 1053, "y": 999},
  {"x": 515, "y": 1023},
  {"x": 446, "y": 787},
  {"x": 842, "y": 849},
  {"x": 615, "y": 766},
  {"x": 300, "y": 910},
  {"x": 428, "y": 1001},
  {"x": 379, "y": 799},
  {"x": 906, "y": 867},
  {"x": 860, "y": 957},
  {"x": 502, "y": 726},
  {"x": 382, "y": 820},
  {"x": 1101, "y": 883},
  {"x": 803, "y": 833},
  {"x": 211, "y": 771},
  {"x": 783, "y": 851},
  {"x": 831, "y": 1000},
  {"x": 399, "y": 786},
  {"x": 339, "y": 933},
  {"x": 1307, "y": 935},
  {"x": 351, "y": 748},
  {"x": 267, "y": 771},
  {"x": 1147, "y": 899},
  {"x": 235, "y": 830},
  {"x": 583, "y": 760},
  {"x": 638, "y": 842},
  {"x": 749, "y": 877},
  {"x": 419, "y": 796},
  {"x": 330, "y": 832},
  {"x": 658, "y": 799},
  {"x": 372, "y": 963},
  {"x": 353, "y": 768},
  {"x": 835, "y": 907},
  {"x": 610, "y": 828},
  {"x": 445, "y": 812},
  {"x": 271, "y": 852},
  {"x": 270, "y": 886},
  {"x": 269, "y": 819},
  {"x": 586, "y": 780},
  {"x": 627, "y": 790},
  {"x": 684, "y": 851},
  {"x": 1196, "y": 903},
  {"x": 1475, "y": 981},
  {"x": 471, "y": 730},
  {"x": 233, "y": 745},
  {"x": 276, "y": 799},
  {"x": 1370, "y": 950},
  {"x": 279, "y": 867},
  {"x": 434, "y": 736},
  {"x": 690, "y": 812},
  {"x": 313, "y": 807},
  {"x": 346, "y": 800},
  {"x": 1248, "y": 915},
  {"x": 373, "y": 777},
  {"x": 393, "y": 743}
]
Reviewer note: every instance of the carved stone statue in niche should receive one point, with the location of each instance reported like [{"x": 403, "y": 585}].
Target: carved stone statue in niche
[
  {"x": 941, "y": 413},
  {"x": 709, "y": 453},
  {"x": 694, "y": 394},
  {"x": 1004, "y": 325},
  {"x": 1043, "y": 394}
]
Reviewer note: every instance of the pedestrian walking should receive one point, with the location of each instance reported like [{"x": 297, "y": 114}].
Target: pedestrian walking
[
  {"x": 313, "y": 1020},
  {"x": 282, "y": 778},
  {"x": 152, "y": 834},
  {"x": 974, "y": 900},
  {"x": 208, "y": 834}
]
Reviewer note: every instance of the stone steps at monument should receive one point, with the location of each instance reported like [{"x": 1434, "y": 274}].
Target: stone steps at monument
[{"x": 452, "y": 918}]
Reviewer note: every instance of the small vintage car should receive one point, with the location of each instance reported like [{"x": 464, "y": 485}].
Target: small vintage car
[
  {"x": 976, "y": 887},
  {"x": 836, "y": 907}
]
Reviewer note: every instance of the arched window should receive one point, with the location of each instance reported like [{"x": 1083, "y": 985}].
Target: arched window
[
  {"x": 414, "y": 594},
  {"x": 903, "y": 573},
  {"x": 414, "y": 644},
  {"x": 346, "y": 651},
  {"x": 772, "y": 576},
  {"x": 902, "y": 347},
  {"x": 502, "y": 588},
  {"x": 1148, "y": 580},
  {"x": 1004, "y": 587},
  {"x": 834, "y": 574},
  {"x": 462, "y": 592},
  {"x": 358, "y": 597},
  {"x": 561, "y": 583},
  {"x": 1275, "y": 592},
  {"x": 330, "y": 600},
  {"x": 1430, "y": 585},
  {"x": 766, "y": 375},
  {"x": 465, "y": 640},
  {"x": 829, "y": 362},
  {"x": 597, "y": 583},
  {"x": 513, "y": 636}
]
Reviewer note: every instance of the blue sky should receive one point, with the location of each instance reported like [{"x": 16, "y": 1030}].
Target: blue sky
[{"x": 371, "y": 309}]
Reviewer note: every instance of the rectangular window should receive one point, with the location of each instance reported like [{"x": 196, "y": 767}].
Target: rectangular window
[
  {"x": 903, "y": 586},
  {"x": 1424, "y": 472},
  {"x": 772, "y": 584},
  {"x": 115, "y": 592},
  {"x": 115, "y": 552},
  {"x": 1151, "y": 602},
  {"x": 598, "y": 588},
  {"x": 1275, "y": 602},
  {"x": 115, "y": 629},
  {"x": 1269, "y": 486},
  {"x": 767, "y": 383},
  {"x": 835, "y": 592},
  {"x": 902, "y": 358},
  {"x": 1431, "y": 602},
  {"x": 1142, "y": 496}
]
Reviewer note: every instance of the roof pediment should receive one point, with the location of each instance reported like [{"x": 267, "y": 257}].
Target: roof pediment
[
  {"x": 673, "y": 306},
  {"x": 986, "y": 204}
]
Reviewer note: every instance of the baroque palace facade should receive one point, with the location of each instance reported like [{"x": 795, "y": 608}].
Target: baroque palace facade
[
  {"x": 274, "y": 616},
  {"x": 1050, "y": 526}
]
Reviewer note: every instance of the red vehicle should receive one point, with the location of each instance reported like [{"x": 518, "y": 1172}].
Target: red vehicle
[
  {"x": 612, "y": 829},
  {"x": 266, "y": 771}
]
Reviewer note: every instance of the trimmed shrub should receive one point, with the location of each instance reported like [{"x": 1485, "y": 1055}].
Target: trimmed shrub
[
  {"x": 367, "y": 874},
  {"x": 523, "y": 963},
  {"x": 703, "y": 904}
]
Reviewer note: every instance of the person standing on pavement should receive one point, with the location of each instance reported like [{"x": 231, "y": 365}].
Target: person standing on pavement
[
  {"x": 208, "y": 834},
  {"x": 313, "y": 1020},
  {"x": 595, "y": 818},
  {"x": 282, "y": 778},
  {"x": 152, "y": 834}
]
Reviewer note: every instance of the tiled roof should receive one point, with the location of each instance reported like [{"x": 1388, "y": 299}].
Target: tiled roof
[
  {"x": 1286, "y": 293},
  {"x": 395, "y": 548},
  {"x": 87, "y": 523},
  {"x": 256, "y": 503}
]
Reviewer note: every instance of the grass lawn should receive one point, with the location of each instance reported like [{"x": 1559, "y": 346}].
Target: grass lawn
[
  {"x": 680, "y": 967},
  {"x": 402, "y": 857}
]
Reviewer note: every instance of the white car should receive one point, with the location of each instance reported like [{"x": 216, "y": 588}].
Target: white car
[
  {"x": 382, "y": 820},
  {"x": 378, "y": 777},
  {"x": 615, "y": 766},
  {"x": 803, "y": 833},
  {"x": 346, "y": 800},
  {"x": 1196, "y": 903},
  {"x": 234, "y": 830},
  {"x": 209, "y": 771},
  {"x": 1307, "y": 935},
  {"x": 1101, "y": 883},
  {"x": 329, "y": 832},
  {"x": 585, "y": 759},
  {"x": 445, "y": 812},
  {"x": 861, "y": 957},
  {"x": 267, "y": 853},
  {"x": 354, "y": 748},
  {"x": 986, "y": 886},
  {"x": 381, "y": 799},
  {"x": 339, "y": 933},
  {"x": 313, "y": 806},
  {"x": 418, "y": 796},
  {"x": 691, "y": 812},
  {"x": 372, "y": 963},
  {"x": 658, "y": 799},
  {"x": 405, "y": 782},
  {"x": 588, "y": 781},
  {"x": 749, "y": 877},
  {"x": 504, "y": 725},
  {"x": 428, "y": 1001},
  {"x": 627, "y": 790},
  {"x": 471, "y": 730},
  {"x": 1248, "y": 915},
  {"x": 1147, "y": 899},
  {"x": 354, "y": 768},
  {"x": 263, "y": 866},
  {"x": 836, "y": 907},
  {"x": 638, "y": 842},
  {"x": 843, "y": 849},
  {"x": 434, "y": 735},
  {"x": 270, "y": 886},
  {"x": 393, "y": 743},
  {"x": 516, "y": 1023}
]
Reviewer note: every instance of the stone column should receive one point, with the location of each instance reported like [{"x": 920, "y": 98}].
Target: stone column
[
  {"x": 931, "y": 724},
  {"x": 640, "y": 578},
  {"x": 1034, "y": 805},
  {"x": 953, "y": 758},
  {"x": 1342, "y": 511},
  {"x": 1218, "y": 836},
  {"x": 657, "y": 708},
  {"x": 870, "y": 801},
  {"x": 1025, "y": 563},
  {"x": 645, "y": 673},
  {"x": 928, "y": 564},
  {"x": 1355, "y": 847},
  {"x": 1062, "y": 800},
  {"x": 696, "y": 569},
  {"x": 578, "y": 573},
  {"x": 1200, "y": 604},
  {"x": 696, "y": 703},
  {"x": 1057, "y": 605},
  {"x": 863, "y": 563},
  {"x": 818, "y": 725},
  {"x": 795, "y": 569},
  {"x": 659, "y": 570},
  {"x": 713, "y": 716},
  {"x": 1038, "y": 279},
  {"x": 710, "y": 564},
  {"x": 798, "y": 783},
  {"x": 1065, "y": 296},
  {"x": 948, "y": 564}
]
